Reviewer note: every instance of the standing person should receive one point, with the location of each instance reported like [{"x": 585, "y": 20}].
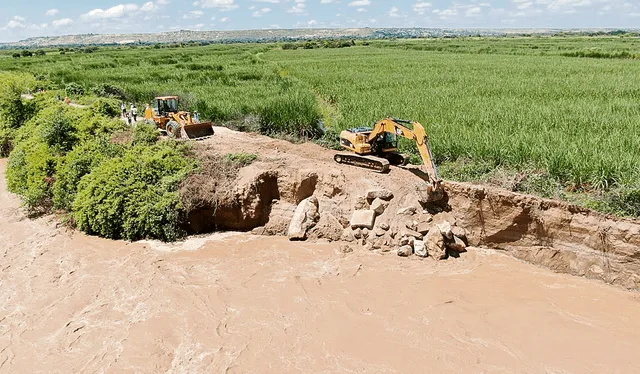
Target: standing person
[
  {"x": 148, "y": 113},
  {"x": 128, "y": 118},
  {"x": 123, "y": 107},
  {"x": 130, "y": 107},
  {"x": 196, "y": 117},
  {"x": 134, "y": 113}
]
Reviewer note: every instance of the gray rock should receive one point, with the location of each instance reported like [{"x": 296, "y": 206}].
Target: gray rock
[
  {"x": 411, "y": 225},
  {"x": 365, "y": 232},
  {"x": 327, "y": 227},
  {"x": 435, "y": 244},
  {"x": 384, "y": 226},
  {"x": 363, "y": 219},
  {"x": 457, "y": 245},
  {"x": 404, "y": 241},
  {"x": 405, "y": 251},
  {"x": 459, "y": 232},
  {"x": 423, "y": 228},
  {"x": 407, "y": 211},
  {"x": 357, "y": 233},
  {"x": 304, "y": 218},
  {"x": 378, "y": 205},
  {"x": 379, "y": 194},
  {"x": 414, "y": 234},
  {"x": 445, "y": 229},
  {"x": 348, "y": 235},
  {"x": 419, "y": 248}
]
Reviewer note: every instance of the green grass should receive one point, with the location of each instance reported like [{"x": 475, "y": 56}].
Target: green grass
[{"x": 567, "y": 107}]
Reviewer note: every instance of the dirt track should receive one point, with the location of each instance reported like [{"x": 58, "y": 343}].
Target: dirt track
[{"x": 242, "y": 303}]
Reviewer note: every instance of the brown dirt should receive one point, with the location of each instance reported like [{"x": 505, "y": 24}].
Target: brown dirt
[
  {"x": 233, "y": 303},
  {"x": 560, "y": 236}
]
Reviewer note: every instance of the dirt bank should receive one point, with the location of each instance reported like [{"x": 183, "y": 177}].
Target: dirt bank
[
  {"x": 238, "y": 302},
  {"x": 562, "y": 237}
]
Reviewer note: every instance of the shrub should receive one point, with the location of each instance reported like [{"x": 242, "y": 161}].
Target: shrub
[
  {"x": 134, "y": 196},
  {"x": 109, "y": 90},
  {"x": 74, "y": 89},
  {"x": 106, "y": 107},
  {"x": 30, "y": 172},
  {"x": 77, "y": 164},
  {"x": 6, "y": 139},
  {"x": 59, "y": 132},
  {"x": 145, "y": 133}
]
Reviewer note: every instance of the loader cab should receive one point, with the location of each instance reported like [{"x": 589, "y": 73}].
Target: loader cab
[{"x": 166, "y": 104}]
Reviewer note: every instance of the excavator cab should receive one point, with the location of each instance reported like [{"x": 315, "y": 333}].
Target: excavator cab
[{"x": 166, "y": 105}]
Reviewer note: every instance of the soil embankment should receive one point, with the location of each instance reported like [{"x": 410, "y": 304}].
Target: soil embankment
[
  {"x": 237, "y": 303},
  {"x": 557, "y": 235}
]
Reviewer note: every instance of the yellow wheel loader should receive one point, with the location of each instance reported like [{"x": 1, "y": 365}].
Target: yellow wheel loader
[
  {"x": 377, "y": 147},
  {"x": 177, "y": 124}
]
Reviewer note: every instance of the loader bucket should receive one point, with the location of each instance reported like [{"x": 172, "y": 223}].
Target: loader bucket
[{"x": 197, "y": 131}]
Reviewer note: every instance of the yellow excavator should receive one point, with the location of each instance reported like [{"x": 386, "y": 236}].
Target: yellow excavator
[
  {"x": 177, "y": 124},
  {"x": 377, "y": 147}
]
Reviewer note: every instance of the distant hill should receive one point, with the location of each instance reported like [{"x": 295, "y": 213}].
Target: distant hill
[{"x": 276, "y": 35}]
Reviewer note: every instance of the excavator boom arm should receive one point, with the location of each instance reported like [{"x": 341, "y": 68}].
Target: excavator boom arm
[{"x": 418, "y": 134}]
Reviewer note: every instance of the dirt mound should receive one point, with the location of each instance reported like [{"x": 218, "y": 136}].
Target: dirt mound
[{"x": 390, "y": 212}]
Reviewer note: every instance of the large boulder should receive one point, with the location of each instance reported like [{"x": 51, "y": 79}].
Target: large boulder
[
  {"x": 328, "y": 227},
  {"x": 304, "y": 218},
  {"x": 405, "y": 251},
  {"x": 408, "y": 211},
  {"x": 419, "y": 248},
  {"x": 423, "y": 228},
  {"x": 435, "y": 244},
  {"x": 457, "y": 245},
  {"x": 363, "y": 219},
  {"x": 445, "y": 230},
  {"x": 379, "y": 194},
  {"x": 378, "y": 205}
]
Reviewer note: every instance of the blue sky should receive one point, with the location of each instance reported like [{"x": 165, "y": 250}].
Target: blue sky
[{"x": 21, "y": 19}]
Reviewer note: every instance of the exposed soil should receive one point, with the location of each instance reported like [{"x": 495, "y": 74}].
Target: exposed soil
[{"x": 238, "y": 302}]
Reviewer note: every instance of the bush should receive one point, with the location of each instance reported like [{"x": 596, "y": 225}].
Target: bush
[
  {"x": 134, "y": 196},
  {"x": 6, "y": 139},
  {"x": 106, "y": 107},
  {"x": 109, "y": 90},
  {"x": 74, "y": 89},
  {"x": 30, "y": 172},
  {"x": 145, "y": 133},
  {"x": 59, "y": 132},
  {"x": 78, "y": 163}
]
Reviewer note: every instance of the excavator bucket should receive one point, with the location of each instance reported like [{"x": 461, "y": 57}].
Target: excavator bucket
[{"x": 197, "y": 131}]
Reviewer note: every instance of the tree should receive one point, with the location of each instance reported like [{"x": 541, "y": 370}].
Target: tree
[
  {"x": 16, "y": 55},
  {"x": 40, "y": 52},
  {"x": 26, "y": 53}
]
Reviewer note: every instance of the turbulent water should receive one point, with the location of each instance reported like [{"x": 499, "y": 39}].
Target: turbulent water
[{"x": 240, "y": 303}]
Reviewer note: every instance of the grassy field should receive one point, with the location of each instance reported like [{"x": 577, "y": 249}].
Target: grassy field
[{"x": 565, "y": 108}]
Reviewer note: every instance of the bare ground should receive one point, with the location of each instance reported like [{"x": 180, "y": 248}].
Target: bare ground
[{"x": 235, "y": 302}]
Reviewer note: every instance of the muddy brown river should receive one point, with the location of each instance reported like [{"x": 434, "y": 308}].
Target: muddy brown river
[{"x": 237, "y": 303}]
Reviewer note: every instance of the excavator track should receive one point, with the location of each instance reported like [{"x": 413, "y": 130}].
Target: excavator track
[{"x": 376, "y": 164}]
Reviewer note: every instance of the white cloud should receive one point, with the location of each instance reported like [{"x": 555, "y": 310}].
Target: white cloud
[
  {"x": 360, "y": 3},
  {"x": 223, "y": 5},
  {"x": 62, "y": 22},
  {"x": 421, "y": 7},
  {"x": 51, "y": 12},
  {"x": 299, "y": 8},
  {"x": 224, "y": 19},
  {"x": 261, "y": 12},
  {"x": 473, "y": 11},
  {"x": 163, "y": 2},
  {"x": 148, "y": 7},
  {"x": 393, "y": 12},
  {"x": 565, "y": 6},
  {"x": 13, "y": 24},
  {"x": 18, "y": 18},
  {"x": 327, "y": 1},
  {"x": 361, "y": 9},
  {"x": 268, "y": 1},
  {"x": 194, "y": 14},
  {"x": 117, "y": 11}
]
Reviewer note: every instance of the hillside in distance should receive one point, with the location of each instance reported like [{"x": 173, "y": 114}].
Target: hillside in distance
[{"x": 277, "y": 35}]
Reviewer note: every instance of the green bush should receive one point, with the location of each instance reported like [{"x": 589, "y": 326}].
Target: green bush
[
  {"x": 59, "y": 132},
  {"x": 109, "y": 90},
  {"x": 74, "y": 89},
  {"x": 77, "y": 164},
  {"x": 6, "y": 139},
  {"x": 107, "y": 107},
  {"x": 134, "y": 196},
  {"x": 145, "y": 133},
  {"x": 30, "y": 173}
]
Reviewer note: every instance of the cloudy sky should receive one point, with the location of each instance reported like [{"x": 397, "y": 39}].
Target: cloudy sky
[{"x": 21, "y": 19}]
